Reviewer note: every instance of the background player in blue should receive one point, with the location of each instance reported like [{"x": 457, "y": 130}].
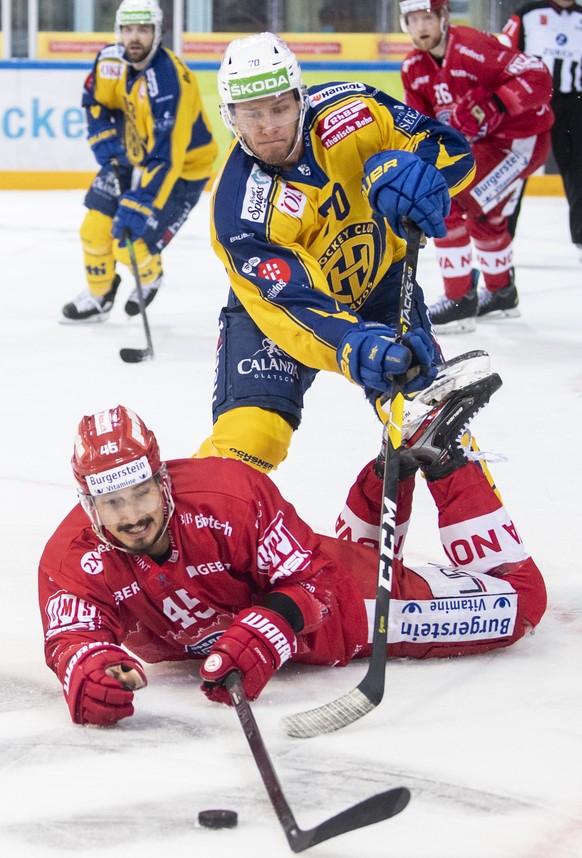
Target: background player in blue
[
  {"x": 144, "y": 112},
  {"x": 307, "y": 218}
]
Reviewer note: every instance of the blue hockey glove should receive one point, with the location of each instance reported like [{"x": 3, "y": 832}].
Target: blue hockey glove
[
  {"x": 369, "y": 356},
  {"x": 400, "y": 185},
  {"x": 132, "y": 215},
  {"x": 107, "y": 147}
]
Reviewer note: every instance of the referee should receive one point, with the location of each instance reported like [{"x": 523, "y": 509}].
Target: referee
[{"x": 553, "y": 31}]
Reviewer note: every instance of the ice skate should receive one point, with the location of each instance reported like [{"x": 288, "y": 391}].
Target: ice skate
[
  {"x": 450, "y": 316},
  {"x": 149, "y": 293},
  {"x": 435, "y": 446},
  {"x": 501, "y": 304},
  {"x": 453, "y": 375},
  {"x": 91, "y": 308}
]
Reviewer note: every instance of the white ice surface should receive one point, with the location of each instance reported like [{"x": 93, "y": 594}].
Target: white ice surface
[{"x": 491, "y": 747}]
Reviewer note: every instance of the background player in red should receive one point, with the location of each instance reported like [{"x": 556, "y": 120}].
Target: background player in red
[
  {"x": 552, "y": 31},
  {"x": 203, "y": 558},
  {"x": 499, "y": 99}
]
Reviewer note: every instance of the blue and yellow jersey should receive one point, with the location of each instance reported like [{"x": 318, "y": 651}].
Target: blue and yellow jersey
[
  {"x": 157, "y": 113},
  {"x": 302, "y": 248}
]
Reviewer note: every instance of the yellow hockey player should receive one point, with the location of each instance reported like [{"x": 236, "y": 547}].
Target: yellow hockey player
[{"x": 149, "y": 132}]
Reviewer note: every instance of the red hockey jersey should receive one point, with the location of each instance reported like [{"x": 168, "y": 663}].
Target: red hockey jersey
[
  {"x": 475, "y": 59},
  {"x": 234, "y": 539},
  {"x": 231, "y": 544}
]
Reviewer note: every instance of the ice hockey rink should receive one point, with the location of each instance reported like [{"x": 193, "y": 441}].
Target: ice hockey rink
[{"x": 490, "y": 746}]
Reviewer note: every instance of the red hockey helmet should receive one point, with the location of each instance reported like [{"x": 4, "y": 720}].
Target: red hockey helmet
[
  {"x": 407, "y": 6},
  {"x": 114, "y": 449}
]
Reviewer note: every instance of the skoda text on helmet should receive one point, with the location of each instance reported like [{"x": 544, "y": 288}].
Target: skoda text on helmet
[
  {"x": 115, "y": 450},
  {"x": 140, "y": 12},
  {"x": 408, "y": 6},
  {"x": 256, "y": 67}
]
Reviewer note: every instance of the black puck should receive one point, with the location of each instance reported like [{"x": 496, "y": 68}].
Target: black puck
[{"x": 218, "y": 818}]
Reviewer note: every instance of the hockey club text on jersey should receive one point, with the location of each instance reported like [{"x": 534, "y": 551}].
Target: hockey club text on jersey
[{"x": 349, "y": 262}]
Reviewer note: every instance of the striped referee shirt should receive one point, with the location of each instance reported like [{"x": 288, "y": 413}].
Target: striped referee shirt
[{"x": 553, "y": 34}]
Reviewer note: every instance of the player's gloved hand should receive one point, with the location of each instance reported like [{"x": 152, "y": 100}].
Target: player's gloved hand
[
  {"x": 477, "y": 113},
  {"x": 369, "y": 355},
  {"x": 257, "y": 644},
  {"x": 133, "y": 213},
  {"x": 401, "y": 185},
  {"x": 99, "y": 682},
  {"x": 108, "y": 149}
]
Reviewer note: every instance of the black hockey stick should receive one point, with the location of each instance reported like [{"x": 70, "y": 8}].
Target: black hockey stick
[
  {"x": 133, "y": 355},
  {"x": 368, "y": 694},
  {"x": 371, "y": 810},
  {"x": 137, "y": 355}
]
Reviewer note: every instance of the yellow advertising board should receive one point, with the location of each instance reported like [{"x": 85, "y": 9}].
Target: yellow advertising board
[{"x": 209, "y": 47}]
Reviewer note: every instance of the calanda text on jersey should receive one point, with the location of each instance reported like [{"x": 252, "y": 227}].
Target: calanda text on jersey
[
  {"x": 280, "y": 233},
  {"x": 157, "y": 113}
]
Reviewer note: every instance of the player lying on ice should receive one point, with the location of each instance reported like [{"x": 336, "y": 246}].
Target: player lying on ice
[{"x": 203, "y": 558}]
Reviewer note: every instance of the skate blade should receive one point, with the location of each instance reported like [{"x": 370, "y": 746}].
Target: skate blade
[
  {"x": 459, "y": 326},
  {"x": 500, "y": 314}
]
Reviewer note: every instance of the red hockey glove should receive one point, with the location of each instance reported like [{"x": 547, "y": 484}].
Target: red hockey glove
[
  {"x": 477, "y": 114},
  {"x": 93, "y": 694},
  {"x": 257, "y": 644}
]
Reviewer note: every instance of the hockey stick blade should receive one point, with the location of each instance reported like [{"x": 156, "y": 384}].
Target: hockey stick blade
[
  {"x": 367, "y": 812},
  {"x": 375, "y": 809},
  {"x": 331, "y": 716},
  {"x": 135, "y": 355}
]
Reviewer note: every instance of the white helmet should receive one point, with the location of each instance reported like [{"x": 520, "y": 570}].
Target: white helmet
[
  {"x": 140, "y": 12},
  {"x": 254, "y": 67}
]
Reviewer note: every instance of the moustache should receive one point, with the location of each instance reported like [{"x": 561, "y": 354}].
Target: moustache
[{"x": 143, "y": 522}]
